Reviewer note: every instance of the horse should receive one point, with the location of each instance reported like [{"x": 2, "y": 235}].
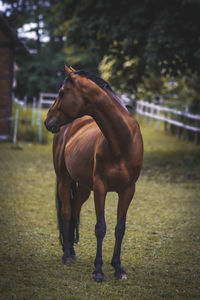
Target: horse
[{"x": 97, "y": 147}]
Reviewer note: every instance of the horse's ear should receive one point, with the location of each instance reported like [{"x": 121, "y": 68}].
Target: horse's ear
[
  {"x": 67, "y": 70},
  {"x": 72, "y": 69}
]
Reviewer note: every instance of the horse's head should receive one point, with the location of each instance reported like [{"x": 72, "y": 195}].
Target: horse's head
[{"x": 69, "y": 103}]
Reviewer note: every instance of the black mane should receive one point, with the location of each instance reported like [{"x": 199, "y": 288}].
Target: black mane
[
  {"x": 99, "y": 81},
  {"x": 102, "y": 84}
]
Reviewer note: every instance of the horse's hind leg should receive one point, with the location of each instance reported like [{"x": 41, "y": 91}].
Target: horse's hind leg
[
  {"x": 64, "y": 218},
  {"x": 123, "y": 204},
  {"x": 82, "y": 194}
]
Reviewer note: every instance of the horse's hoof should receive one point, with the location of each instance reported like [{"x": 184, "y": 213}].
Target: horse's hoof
[
  {"x": 121, "y": 276},
  {"x": 97, "y": 276},
  {"x": 67, "y": 260},
  {"x": 124, "y": 276},
  {"x": 74, "y": 257}
]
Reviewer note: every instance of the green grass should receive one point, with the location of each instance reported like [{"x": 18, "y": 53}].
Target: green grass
[{"x": 161, "y": 247}]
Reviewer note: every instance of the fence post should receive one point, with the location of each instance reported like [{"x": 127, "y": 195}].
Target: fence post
[
  {"x": 25, "y": 103},
  {"x": 197, "y": 134},
  {"x": 15, "y": 126},
  {"x": 152, "y": 112},
  {"x": 33, "y": 110},
  {"x": 158, "y": 122},
  {"x": 40, "y": 101},
  {"x": 196, "y": 138},
  {"x": 144, "y": 109},
  {"x": 172, "y": 127},
  {"x": 180, "y": 129},
  {"x": 39, "y": 126},
  {"x": 165, "y": 122}
]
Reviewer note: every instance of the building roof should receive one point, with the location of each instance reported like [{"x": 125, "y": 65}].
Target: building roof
[{"x": 19, "y": 46}]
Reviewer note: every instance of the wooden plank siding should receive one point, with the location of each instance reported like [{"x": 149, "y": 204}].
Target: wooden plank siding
[
  {"x": 9, "y": 46},
  {"x": 6, "y": 78}
]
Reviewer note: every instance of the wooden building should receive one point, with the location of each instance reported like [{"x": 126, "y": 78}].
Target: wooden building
[{"x": 10, "y": 45}]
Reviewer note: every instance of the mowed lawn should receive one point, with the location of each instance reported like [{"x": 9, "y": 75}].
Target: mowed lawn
[{"x": 161, "y": 248}]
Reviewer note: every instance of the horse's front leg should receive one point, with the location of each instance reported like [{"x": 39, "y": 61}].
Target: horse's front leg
[
  {"x": 124, "y": 200},
  {"x": 100, "y": 228}
]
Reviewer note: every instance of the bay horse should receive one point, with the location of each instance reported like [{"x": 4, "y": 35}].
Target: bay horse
[{"x": 97, "y": 146}]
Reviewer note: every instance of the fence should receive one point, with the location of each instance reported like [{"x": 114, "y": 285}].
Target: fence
[
  {"x": 178, "y": 119},
  {"x": 22, "y": 103},
  {"x": 46, "y": 99},
  {"x": 34, "y": 119}
]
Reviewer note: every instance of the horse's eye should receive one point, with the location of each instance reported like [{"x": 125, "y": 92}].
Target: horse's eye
[{"x": 61, "y": 94}]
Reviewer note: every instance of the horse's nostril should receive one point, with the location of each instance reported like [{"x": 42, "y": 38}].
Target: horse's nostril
[
  {"x": 46, "y": 124},
  {"x": 55, "y": 128},
  {"x": 51, "y": 126}
]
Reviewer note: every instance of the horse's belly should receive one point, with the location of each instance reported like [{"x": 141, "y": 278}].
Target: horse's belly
[
  {"x": 80, "y": 169},
  {"x": 79, "y": 155}
]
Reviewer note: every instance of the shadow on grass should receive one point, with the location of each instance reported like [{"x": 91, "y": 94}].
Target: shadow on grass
[{"x": 172, "y": 165}]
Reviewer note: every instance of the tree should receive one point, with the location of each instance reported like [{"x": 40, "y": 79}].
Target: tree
[
  {"x": 163, "y": 34},
  {"x": 139, "y": 39},
  {"x": 26, "y": 12},
  {"x": 131, "y": 41},
  {"x": 40, "y": 73},
  {"x": 43, "y": 71}
]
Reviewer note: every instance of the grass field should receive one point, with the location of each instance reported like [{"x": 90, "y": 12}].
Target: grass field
[{"x": 161, "y": 248}]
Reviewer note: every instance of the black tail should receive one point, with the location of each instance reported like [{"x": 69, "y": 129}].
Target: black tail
[{"x": 74, "y": 222}]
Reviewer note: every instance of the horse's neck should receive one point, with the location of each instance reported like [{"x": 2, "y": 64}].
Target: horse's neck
[{"x": 114, "y": 122}]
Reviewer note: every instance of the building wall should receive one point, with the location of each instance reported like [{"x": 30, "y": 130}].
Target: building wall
[{"x": 6, "y": 77}]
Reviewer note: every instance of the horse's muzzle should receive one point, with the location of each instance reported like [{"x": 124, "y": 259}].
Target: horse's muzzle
[{"x": 51, "y": 126}]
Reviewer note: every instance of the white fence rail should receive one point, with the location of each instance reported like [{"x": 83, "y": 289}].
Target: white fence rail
[
  {"x": 170, "y": 116},
  {"x": 22, "y": 103},
  {"x": 46, "y": 99}
]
